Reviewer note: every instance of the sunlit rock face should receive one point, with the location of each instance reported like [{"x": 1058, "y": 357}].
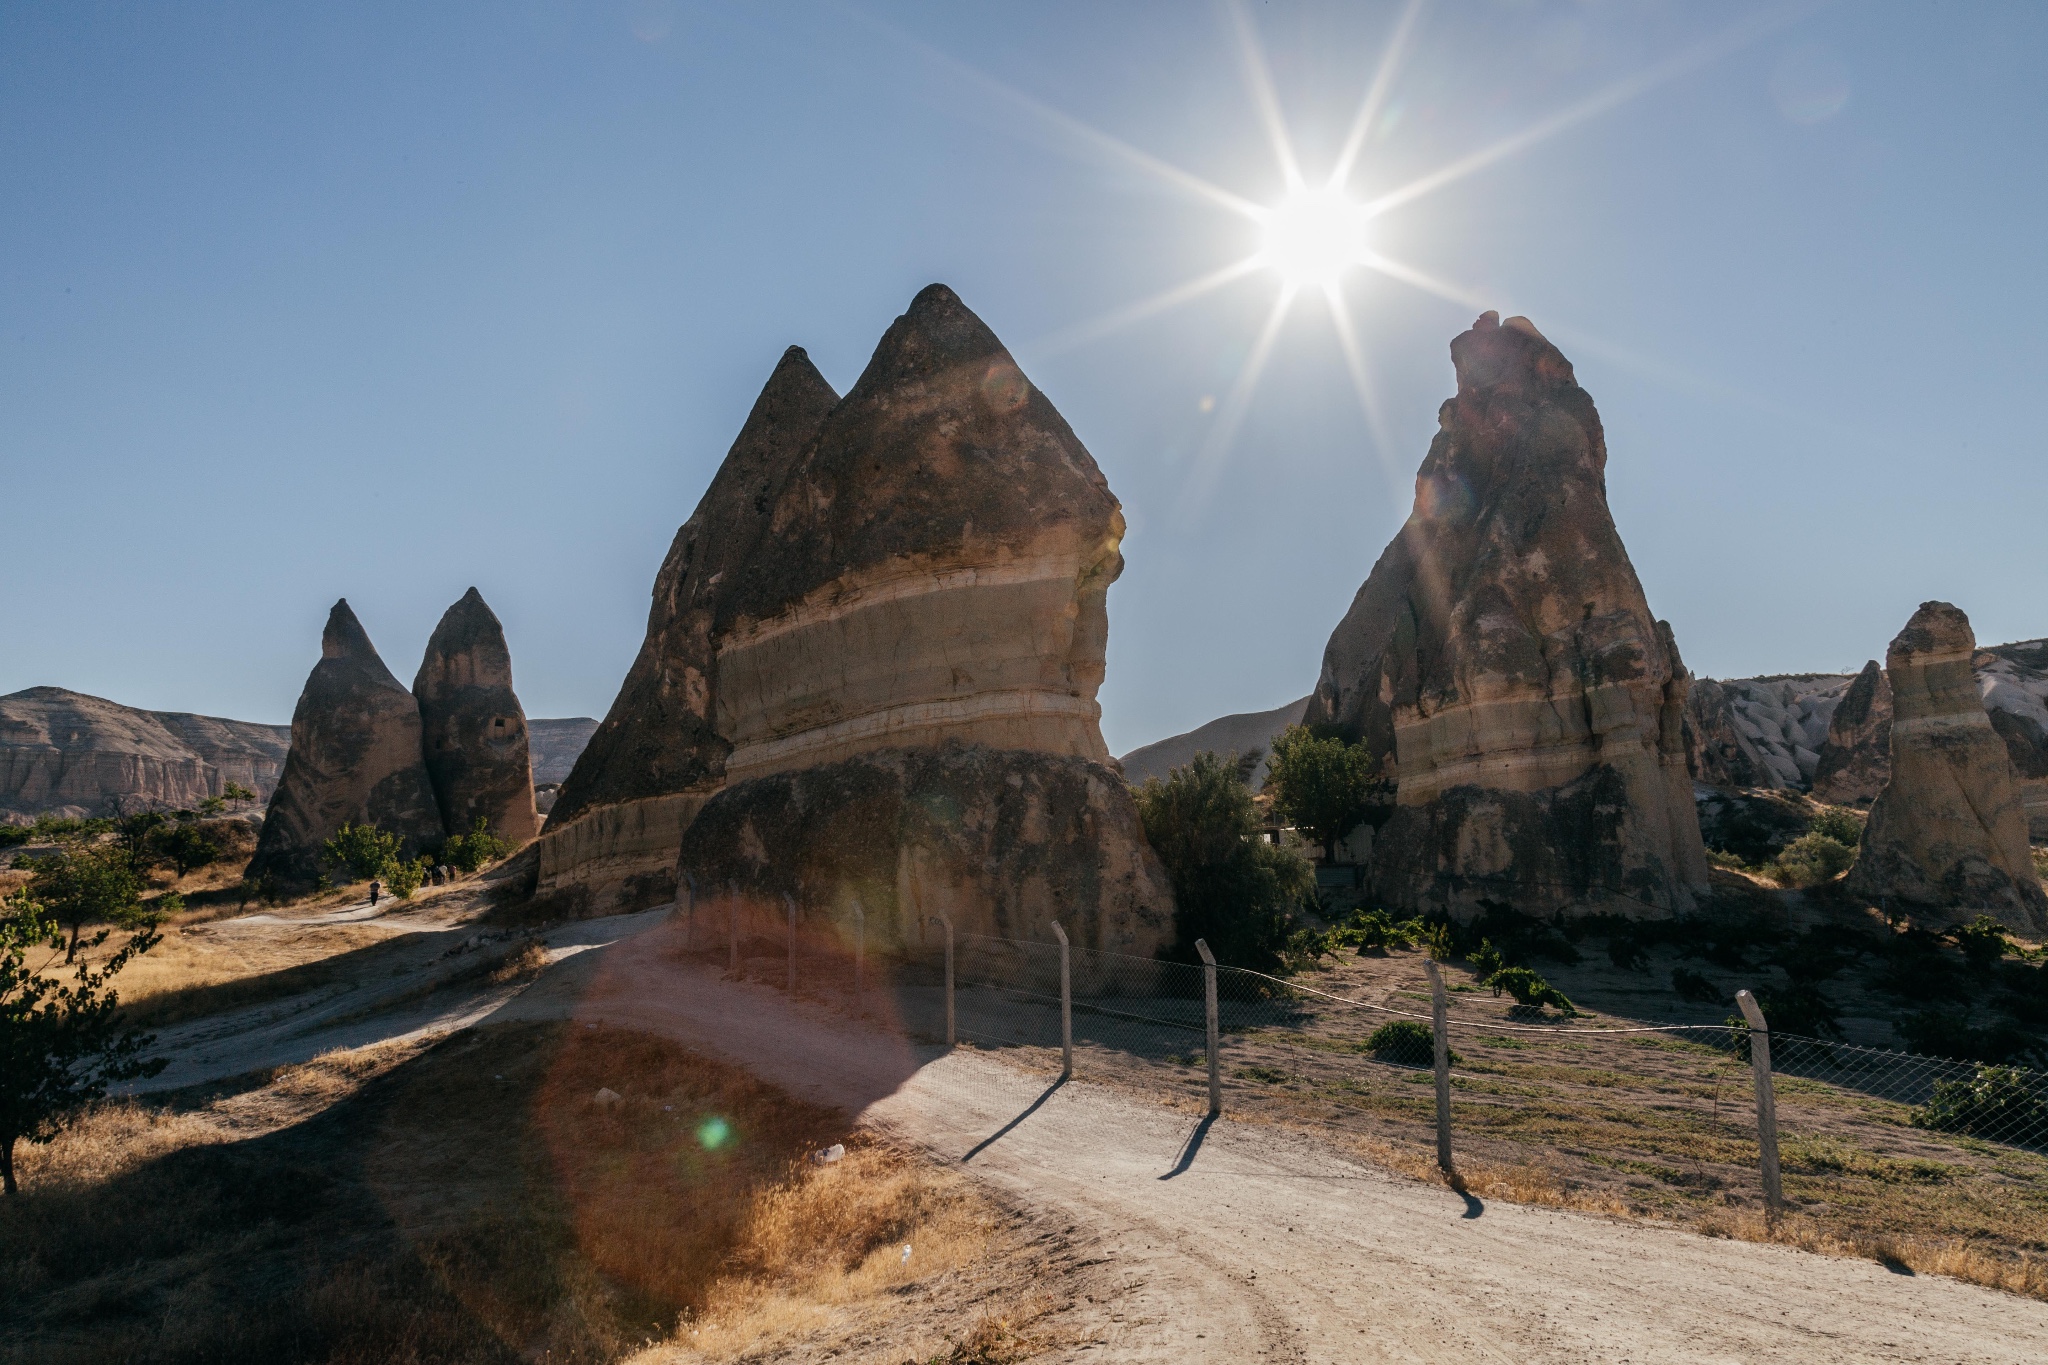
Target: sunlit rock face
[
  {"x": 1856, "y": 760},
  {"x": 612, "y": 834},
  {"x": 1947, "y": 837},
  {"x": 354, "y": 758},
  {"x": 1503, "y": 663},
  {"x": 2013, "y": 680},
  {"x": 474, "y": 730}
]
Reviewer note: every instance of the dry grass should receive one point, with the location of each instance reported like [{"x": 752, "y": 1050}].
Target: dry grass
[{"x": 471, "y": 1200}]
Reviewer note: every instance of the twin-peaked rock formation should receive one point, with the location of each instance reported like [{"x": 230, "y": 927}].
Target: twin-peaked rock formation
[
  {"x": 1947, "y": 837},
  {"x": 1503, "y": 665},
  {"x": 871, "y": 666},
  {"x": 419, "y": 764}
]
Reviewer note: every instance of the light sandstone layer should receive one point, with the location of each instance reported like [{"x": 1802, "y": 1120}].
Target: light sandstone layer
[
  {"x": 65, "y": 753},
  {"x": 1502, "y": 664},
  {"x": 473, "y": 729},
  {"x": 1856, "y": 758},
  {"x": 1947, "y": 837},
  {"x": 355, "y": 758}
]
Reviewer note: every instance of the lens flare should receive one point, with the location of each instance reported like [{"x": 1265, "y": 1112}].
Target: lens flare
[
  {"x": 713, "y": 1133},
  {"x": 1313, "y": 237}
]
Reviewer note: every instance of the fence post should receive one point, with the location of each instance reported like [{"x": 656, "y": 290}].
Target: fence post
[
  {"x": 1766, "y": 1101},
  {"x": 1066, "y": 1006},
  {"x": 1439, "y": 1018},
  {"x": 790, "y": 902},
  {"x": 950, "y": 1035},
  {"x": 860, "y": 946},
  {"x": 732, "y": 936},
  {"x": 1215, "y": 1033}
]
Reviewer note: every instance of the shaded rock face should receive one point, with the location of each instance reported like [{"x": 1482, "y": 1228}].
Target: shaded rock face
[
  {"x": 1947, "y": 837},
  {"x": 1503, "y": 664},
  {"x": 65, "y": 753},
  {"x": 999, "y": 841},
  {"x": 355, "y": 758},
  {"x": 473, "y": 730},
  {"x": 923, "y": 565},
  {"x": 1856, "y": 760}
]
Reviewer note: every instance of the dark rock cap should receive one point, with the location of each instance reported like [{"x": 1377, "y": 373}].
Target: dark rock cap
[{"x": 474, "y": 733}]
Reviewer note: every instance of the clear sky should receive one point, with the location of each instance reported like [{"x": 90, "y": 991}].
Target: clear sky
[{"x": 385, "y": 300}]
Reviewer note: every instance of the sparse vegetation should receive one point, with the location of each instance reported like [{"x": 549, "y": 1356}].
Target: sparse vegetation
[
  {"x": 1998, "y": 1102},
  {"x": 1811, "y": 859},
  {"x": 84, "y": 884},
  {"x": 477, "y": 849},
  {"x": 362, "y": 851}
]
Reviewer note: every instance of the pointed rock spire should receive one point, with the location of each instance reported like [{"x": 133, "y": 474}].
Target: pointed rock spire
[
  {"x": 354, "y": 759},
  {"x": 473, "y": 728}
]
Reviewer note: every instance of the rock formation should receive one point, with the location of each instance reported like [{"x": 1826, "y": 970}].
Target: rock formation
[
  {"x": 1947, "y": 837},
  {"x": 67, "y": 754},
  {"x": 1760, "y": 732},
  {"x": 1236, "y": 734},
  {"x": 873, "y": 659},
  {"x": 656, "y": 758},
  {"x": 355, "y": 758},
  {"x": 1501, "y": 662},
  {"x": 2014, "y": 682},
  {"x": 1856, "y": 760},
  {"x": 473, "y": 728}
]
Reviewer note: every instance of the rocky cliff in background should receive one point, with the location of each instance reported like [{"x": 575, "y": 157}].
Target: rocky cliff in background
[
  {"x": 1502, "y": 663},
  {"x": 355, "y": 758},
  {"x": 2013, "y": 680},
  {"x": 65, "y": 753},
  {"x": 473, "y": 730},
  {"x": 1947, "y": 837},
  {"x": 1760, "y": 732},
  {"x": 1236, "y": 734},
  {"x": 876, "y": 650},
  {"x": 1856, "y": 758}
]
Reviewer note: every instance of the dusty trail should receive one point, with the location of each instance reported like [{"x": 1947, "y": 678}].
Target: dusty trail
[{"x": 1243, "y": 1242}]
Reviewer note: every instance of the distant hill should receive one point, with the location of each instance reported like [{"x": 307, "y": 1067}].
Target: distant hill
[
  {"x": 66, "y": 753},
  {"x": 1224, "y": 735}
]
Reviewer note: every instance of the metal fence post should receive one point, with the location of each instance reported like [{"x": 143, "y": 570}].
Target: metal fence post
[
  {"x": 950, "y": 1035},
  {"x": 860, "y": 947},
  {"x": 1439, "y": 1017},
  {"x": 790, "y": 901},
  {"x": 1215, "y": 1033},
  {"x": 732, "y": 935},
  {"x": 1766, "y": 1101},
  {"x": 1066, "y": 1006}
]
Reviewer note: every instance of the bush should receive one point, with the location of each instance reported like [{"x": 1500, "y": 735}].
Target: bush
[
  {"x": 1839, "y": 823},
  {"x": 402, "y": 879},
  {"x": 1323, "y": 786},
  {"x": 1999, "y": 1102},
  {"x": 14, "y": 836},
  {"x": 1405, "y": 1042},
  {"x": 478, "y": 848},
  {"x": 1811, "y": 859},
  {"x": 363, "y": 851},
  {"x": 1530, "y": 989},
  {"x": 1377, "y": 930},
  {"x": 1690, "y": 985},
  {"x": 1982, "y": 940},
  {"x": 1230, "y": 887},
  {"x": 187, "y": 847}
]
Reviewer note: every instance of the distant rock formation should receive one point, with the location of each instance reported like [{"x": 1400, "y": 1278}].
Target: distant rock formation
[
  {"x": 1760, "y": 732},
  {"x": 555, "y": 745},
  {"x": 1236, "y": 734},
  {"x": 1856, "y": 759},
  {"x": 615, "y": 826},
  {"x": 67, "y": 754},
  {"x": 872, "y": 664},
  {"x": 473, "y": 728},
  {"x": 2014, "y": 682},
  {"x": 1947, "y": 837},
  {"x": 1502, "y": 663},
  {"x": 355, "y": 758}
]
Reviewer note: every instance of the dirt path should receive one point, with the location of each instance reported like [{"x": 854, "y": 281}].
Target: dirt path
[{"x": 1244, "y": 1242}]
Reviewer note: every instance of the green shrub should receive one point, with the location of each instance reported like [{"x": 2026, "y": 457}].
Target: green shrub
[
  {"x": 363, "y": 851},
  {"x": 1405, "y": 1042},
  {"x": 478, "y": 848},
  {"x": 402, "y": 879},
  {"x": 187, "y": 847},
  {"x": 1811, "y": 859},
  {"x": 1839, "y": 823},
  {"x": 14, "y": 836},
  {"x": 1530, "y": 989},
  {"x": 1325, "y": 787},
  {"x": 1982, "y": 940},
  {"x": 1999, "y": 1102},
  {"x": 1377, "y": 930}
]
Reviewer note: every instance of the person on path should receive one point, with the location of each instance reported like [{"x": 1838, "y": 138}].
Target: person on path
[{"x": 375, "y": 887}]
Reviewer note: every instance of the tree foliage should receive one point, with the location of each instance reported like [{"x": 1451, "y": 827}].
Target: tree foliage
[
  {"x": 1230, "y": 887},
  {"x": 362, "y": 851},
  {"x": 61, "y": 1044},
  {"x": 83, "y": 884},
  {"x": 1325, "y": 787},
  {"x": 478, "y": 848}
]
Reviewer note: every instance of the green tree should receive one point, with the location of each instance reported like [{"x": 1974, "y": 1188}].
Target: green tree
[
  {"x": 188, "y": 847},
  {"x": 363, "y": 851},
  {"x": 1325, "y": 787},
  {"x": 478, "y": 848},
  {"x": 61, "y": 1045},
  {"x": 1230, "y": 887},
  {"x": 88, "y": 884},
  {"x": 235, "y": 794}
]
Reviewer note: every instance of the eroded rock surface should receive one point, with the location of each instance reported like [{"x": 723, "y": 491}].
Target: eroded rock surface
[
  {"x": 65, "y": 753},
  {"x": 1856, "y": 759},
  {"x": 355, "y": 758},
  {"x": 473, "y": 729},
  {"x": 2013, "y": 680},
  {"x": 1947, "y": 837},
  {"x": 1761, "y": 732},
  {"x": 1502, "y": 662}
]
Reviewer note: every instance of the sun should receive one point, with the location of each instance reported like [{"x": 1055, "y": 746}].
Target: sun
[{"x": 1313, "y": 237}]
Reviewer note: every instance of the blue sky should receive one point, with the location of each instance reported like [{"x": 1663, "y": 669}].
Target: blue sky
[{"x": 381, "y": 301}]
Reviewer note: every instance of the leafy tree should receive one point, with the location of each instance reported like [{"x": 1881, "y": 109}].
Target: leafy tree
[
  {"x": 212, "y": 806},
  {"x": 61, "y": 1045},
  {"x": 88, "y": 884},
  {"x": 136, "y": 836},
  {"x": 405, "y": 878},
  {"x": 1812, "y": 859},
  {"x": 478, "y": 848},
  {"x": 363, "y": 851},
  {"x": 1839, "y": 823},
  {"x": 1230, "y": 886},
  {"x": 188, "y": 847},
  {"x": 235, "y": 794},
  {"x": 1325, "y": 787}
]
